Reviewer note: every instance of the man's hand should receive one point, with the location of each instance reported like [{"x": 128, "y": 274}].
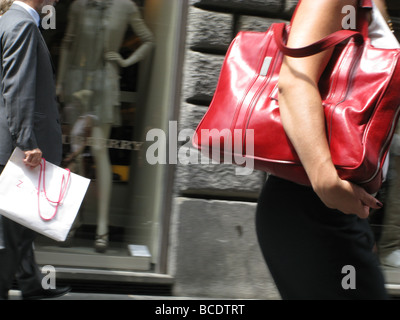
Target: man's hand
[{"x": 33, "y": 158}]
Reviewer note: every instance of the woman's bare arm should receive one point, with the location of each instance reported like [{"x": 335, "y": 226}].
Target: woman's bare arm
[{"x": 302, "y": 112}]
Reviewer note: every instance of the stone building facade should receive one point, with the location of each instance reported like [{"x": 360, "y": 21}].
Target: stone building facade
[
  {"x": 214, "y": 250},
  {"x": 213, "y": 246}
]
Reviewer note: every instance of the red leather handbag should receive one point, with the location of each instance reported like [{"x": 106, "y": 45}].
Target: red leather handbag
[{"x": 360, "y": 90}]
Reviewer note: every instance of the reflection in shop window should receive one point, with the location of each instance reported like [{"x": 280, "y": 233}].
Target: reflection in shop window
[{"x": 102, "y": 43}]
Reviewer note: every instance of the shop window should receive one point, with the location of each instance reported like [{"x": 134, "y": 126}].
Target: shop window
[{"x": 105, "y": 53}]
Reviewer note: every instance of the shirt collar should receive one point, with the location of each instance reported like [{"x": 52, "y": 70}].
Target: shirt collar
[{"x": 31, "y": 11}]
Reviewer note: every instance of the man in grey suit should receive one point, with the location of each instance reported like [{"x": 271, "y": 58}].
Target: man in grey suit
[{"x": 29, "y": 120}]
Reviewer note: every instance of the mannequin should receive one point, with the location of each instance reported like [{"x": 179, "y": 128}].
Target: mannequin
[{"x": 90, "y": 62}]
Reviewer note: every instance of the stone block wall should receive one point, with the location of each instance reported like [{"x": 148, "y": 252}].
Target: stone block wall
[
  {"x": 211, "y": 26},
  {"x": 213, "y": 249}
]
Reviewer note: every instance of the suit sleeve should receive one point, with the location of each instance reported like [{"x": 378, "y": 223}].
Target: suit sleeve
[{"x": 19, "y": 83}]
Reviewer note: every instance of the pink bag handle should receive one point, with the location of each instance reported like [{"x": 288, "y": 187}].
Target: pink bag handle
[{"x": 63, "y": 190}]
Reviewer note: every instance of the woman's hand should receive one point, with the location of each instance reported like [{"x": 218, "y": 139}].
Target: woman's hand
[{"x": 345, "y": 196}]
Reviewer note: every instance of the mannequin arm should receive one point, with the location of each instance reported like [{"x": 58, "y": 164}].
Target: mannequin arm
[
  {"x": 63, "y": 62},
  {"x": 143, "y": 51},
  {"x": 65, "y": 48}
]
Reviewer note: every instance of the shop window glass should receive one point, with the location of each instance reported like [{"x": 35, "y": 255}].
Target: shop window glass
[{"x": 104, "y": 53}]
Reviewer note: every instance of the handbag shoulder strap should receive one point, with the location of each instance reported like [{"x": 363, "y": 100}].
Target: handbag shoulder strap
[
  {"x": 331, "y": 40},
  {"x": 280, "y": 32},
  {"x": 365, "y": 4}
]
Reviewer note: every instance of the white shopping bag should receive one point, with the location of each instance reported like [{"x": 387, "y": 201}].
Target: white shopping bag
[{"x": 45, "y": 199}]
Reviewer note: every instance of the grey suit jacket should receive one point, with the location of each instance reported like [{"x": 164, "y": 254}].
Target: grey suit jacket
[{"x": 29, "y": 116}]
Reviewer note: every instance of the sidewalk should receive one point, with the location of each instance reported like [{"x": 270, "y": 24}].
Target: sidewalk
[{"x": 16, "y": 295}]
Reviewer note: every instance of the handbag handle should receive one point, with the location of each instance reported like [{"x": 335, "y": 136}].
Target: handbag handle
[
  {"x": 330, "y": 41},
  {"x": 63, "y": 190}
]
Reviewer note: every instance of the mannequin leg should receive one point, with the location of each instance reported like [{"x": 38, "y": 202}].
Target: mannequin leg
[{"x": 104, "y": 183}]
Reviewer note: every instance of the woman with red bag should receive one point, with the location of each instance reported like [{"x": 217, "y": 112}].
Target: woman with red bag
[{"x": 316, "y": 241}]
